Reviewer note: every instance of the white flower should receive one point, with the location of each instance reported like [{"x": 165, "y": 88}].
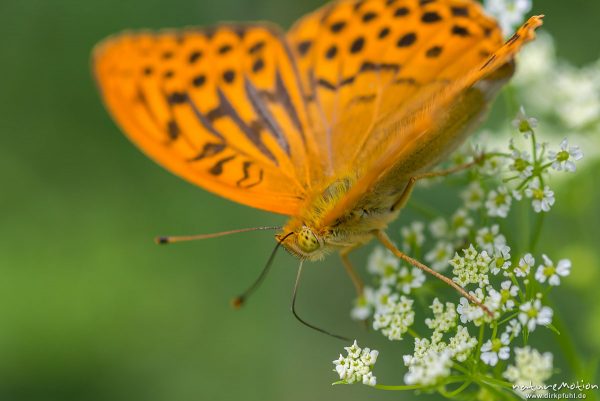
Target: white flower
[
  {"x": 508, "y": 292},
  {"x": 408, "y": 279},
  {"x": 492, "y": 166},
  {"x": 384, "y": 299},
  {"x": 382, "y": 262},
  {"x": 473, "y": 195},
  {"x": 438, "y": 227},
  {"x": 357, "y": 365},
  {"x": 501, "y": 260},
  {"x": 533, "y": 314},
  {"x": 440, "y": 254},
  {"x": 523, "y": 123},
  {"x": 542, "y": 199},
  {"x": 521, "y": 164},
  {"x": 552, "y": 273},
  {"x": 565, "y": 157},
  {"x": 353, "y": 350},
  {"x": 509, "y": 13},
  {"x": 513, "y": 329},
  {"x": 489, "y": 238},
  {"x": 498, "y": 202},
  {"x": 413, "y": 236},
  {"x": 460, "y": 223},
  {"x": 531, "y": 369},
  {"x": 369, "y": 379},
  {"x": 495, "y": 349},
  {"x": 525, "y": 265},
  {"x": 396, "y": 319}
]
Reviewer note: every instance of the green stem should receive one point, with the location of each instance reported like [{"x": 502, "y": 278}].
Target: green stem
[
  {"x": 460, "y": 389},
  {"x": 536, "y": 232},
  {"x": 449, "y": 380},
  {"x": 494, "y": 381}
]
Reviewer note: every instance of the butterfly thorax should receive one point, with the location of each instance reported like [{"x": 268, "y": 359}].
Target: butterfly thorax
[{"x": 312, "y": 236}]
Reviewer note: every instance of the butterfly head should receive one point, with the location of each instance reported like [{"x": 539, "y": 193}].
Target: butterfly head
[{"x": 304, "y": 242}]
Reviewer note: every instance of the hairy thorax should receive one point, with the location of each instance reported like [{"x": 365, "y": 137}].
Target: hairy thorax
[{"x": 312, "y": 236}]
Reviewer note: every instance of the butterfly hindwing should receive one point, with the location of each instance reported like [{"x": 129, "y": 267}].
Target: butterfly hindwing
[{"x": 220, "y": 107}]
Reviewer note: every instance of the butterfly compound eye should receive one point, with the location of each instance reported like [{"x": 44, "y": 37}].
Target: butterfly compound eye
[{"x": 307, "y": 240}]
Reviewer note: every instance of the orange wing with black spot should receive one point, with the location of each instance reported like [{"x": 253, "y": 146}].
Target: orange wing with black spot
[
  {"x": 361, "y": 61},
  {"x": 220, "y": 107}
]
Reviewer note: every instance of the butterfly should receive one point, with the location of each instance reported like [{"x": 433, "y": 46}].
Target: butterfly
[{"x": 329, "y": 124}]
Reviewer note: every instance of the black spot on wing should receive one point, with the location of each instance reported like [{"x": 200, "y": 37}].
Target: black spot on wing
[
  {"x": 208, "y": 150},
  {"x": 246, "y": 175},
  {"x": 385, "y": 31},
  {"x": 458, "y": 30},
  {"x": 370, "y": 66},
  {"x": 303, "y": 47},
  {"x": 401, "y": 12},
  {"x": 194, "y": 56},
  {"x": 326, "y": 84},
  {"x": 459, "y": 11},
  {"x": 430, "y": 17},
  {"x": 177, "y": 98},
  {"x": 331, "y": 52},
  {"x": 433, "y": 52},
  {"x": 357, "y": 45},
  {"x": 255, "y": 48},
  {"x": 407, "y": 40},
  {"x": 338, "y": 26},
  {"x": 370, "y": 16},
  {"x": 217, "y": 168},
  {"x": 173, "y": 130}
]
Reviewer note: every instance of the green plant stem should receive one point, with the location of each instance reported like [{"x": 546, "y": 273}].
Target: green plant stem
[
  {"x": 536, "y": 232},
  {"x": 449, "y": 380}
]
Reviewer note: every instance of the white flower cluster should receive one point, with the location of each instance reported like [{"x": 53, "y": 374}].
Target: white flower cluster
[
  {"x": 531, "y": 370},
  {"x": 357, "y": 365},
  {"x": 427, "y": 365},
  {"x": 395, "y": 318},
  {"x": 524, "y": 167},
  {"x": 511, "y": 285},
  {"x": 432, "y": 357},
  {"x": 472, "y": 268}
]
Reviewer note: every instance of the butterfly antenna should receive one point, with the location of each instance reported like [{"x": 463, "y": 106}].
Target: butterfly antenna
[
  {"x": 304, "y": 322},
  {"x": 238, "y": 301},
  {"x": 182, "y": 238}
]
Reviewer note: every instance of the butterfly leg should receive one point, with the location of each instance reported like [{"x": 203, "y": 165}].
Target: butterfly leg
[
  {"x": 356, "y": 280},
  {"x": 405, "y": 196},
  {"x": 385, "y": 241}
]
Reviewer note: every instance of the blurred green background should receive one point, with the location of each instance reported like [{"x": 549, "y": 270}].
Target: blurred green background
[{"x": 91, "y": 309}]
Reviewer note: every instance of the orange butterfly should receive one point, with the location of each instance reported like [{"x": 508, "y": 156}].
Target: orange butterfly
[{"x": 330, "y": 124}]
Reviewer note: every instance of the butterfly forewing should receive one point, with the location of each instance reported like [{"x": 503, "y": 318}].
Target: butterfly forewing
[
  {"x": 389, "y": 55},
  {"x": 220, "y": 107}
]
